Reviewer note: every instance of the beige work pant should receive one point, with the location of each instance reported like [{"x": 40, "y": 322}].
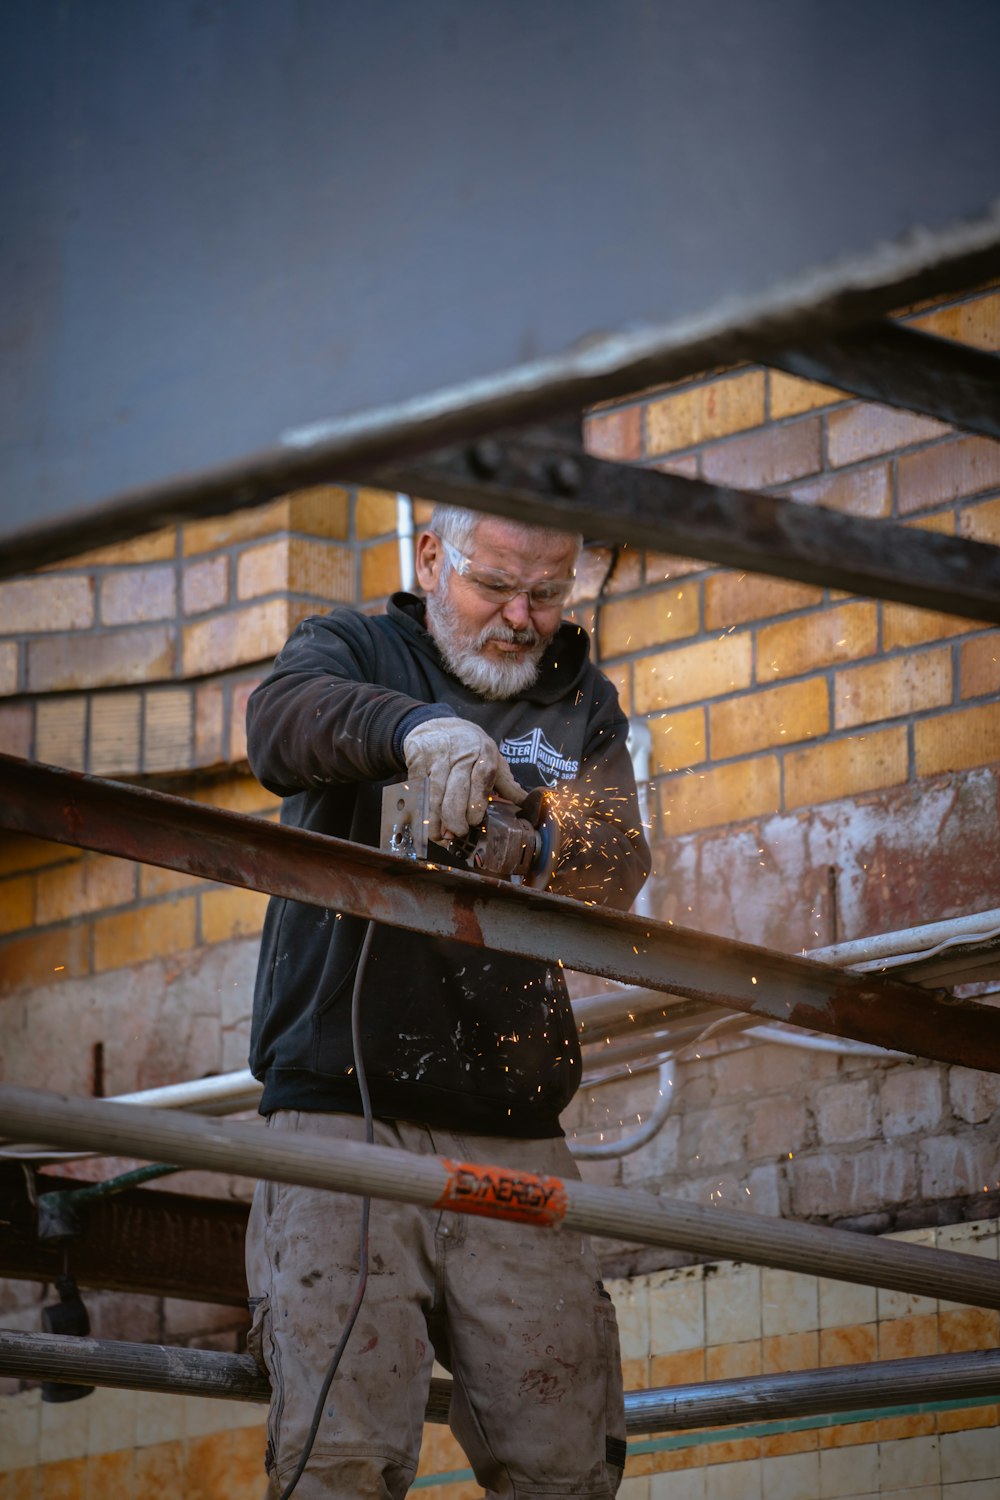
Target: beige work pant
[{"x": 517, "y": 1314}]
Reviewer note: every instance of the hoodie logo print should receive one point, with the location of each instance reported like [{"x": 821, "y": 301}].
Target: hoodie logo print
[{"x": 533, "y": 749}]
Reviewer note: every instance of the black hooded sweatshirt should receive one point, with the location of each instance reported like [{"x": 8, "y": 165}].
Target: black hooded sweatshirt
[{"x": 453, "y": 1036}]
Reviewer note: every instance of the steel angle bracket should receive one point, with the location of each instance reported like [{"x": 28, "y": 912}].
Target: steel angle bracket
[{"x": 154, "y": 828}]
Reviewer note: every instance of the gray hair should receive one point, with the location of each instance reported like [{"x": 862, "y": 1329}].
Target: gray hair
[{"x": 458, "y": 526}]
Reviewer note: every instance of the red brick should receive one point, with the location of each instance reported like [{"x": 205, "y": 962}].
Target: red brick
[
  {"x": 890, "y": 689},
  {"x": 965, "y": 466},
  {"x": 702, "y": 413},
  {"x": 116, "y": 659},
  {"x": 46, "y": 603},
  {"x": 651, "y": 620},
  {"x": 689, "y": 673},
  {"x": 137, "y": 595},
  {"x": 863, "y": 430},
  {"x": 856, "y": 492},
  {"x": 60, "y": 732},
  {"x": 725, "y": 794},
  {"x": 843, "y": 768},
  {"x": 818, "y": 640},
  {"x": 734, "y": 598},
  {"x": 775, "y": 716},
  {"x": 954, "y": 741},
  {"x": 17, "y": 723},
  {"x": 678, "y": 739},
  {"x": 772, "y": 456},
  {"x": 615, "y": 435},
  {"x": 205, "y": 585}
]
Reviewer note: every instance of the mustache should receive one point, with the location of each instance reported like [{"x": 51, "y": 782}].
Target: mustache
[{"x": 526, "y": 637}]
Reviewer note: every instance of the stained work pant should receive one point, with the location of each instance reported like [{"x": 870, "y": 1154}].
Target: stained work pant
[{"x": 517, "y": 1314}]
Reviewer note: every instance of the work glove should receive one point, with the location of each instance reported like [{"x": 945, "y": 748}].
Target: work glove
[{"x": 463, "y": 766}]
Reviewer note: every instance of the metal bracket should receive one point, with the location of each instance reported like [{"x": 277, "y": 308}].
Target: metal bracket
[{"x": 405, "y": 817}]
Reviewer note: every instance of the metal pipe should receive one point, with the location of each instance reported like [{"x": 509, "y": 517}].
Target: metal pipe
[
  {"x": 154, "y": 828},
  {"x": 760, "y": 1398},
  {"x": 382, "y": 1172}
]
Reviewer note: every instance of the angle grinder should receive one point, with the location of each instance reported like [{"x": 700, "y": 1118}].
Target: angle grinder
[{"x": 520, "y": 844}]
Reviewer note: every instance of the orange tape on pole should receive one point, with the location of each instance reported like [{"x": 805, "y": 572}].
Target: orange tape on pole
[{"x": 501, "y": 1194}]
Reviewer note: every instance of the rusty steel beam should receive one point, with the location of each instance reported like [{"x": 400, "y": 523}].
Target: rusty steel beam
[
  {"x": 887, "y": 1384},
  {"x": 160, "y": 1244},
  {"x": 528, "y": 479},
  {"x": 153, "y": 828},
  {"x": 901, "y": 366}
]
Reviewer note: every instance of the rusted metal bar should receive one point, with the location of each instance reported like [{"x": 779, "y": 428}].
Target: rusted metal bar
[
  {"x": 135, "y": 823},
  {"x": 546, "y": 1203},
  {"x": 529, "y": 480},
  {"x": 714, "y": 1403},
  {"x": 901, "y": 366},
  {"x": 160, "y": 1244}
]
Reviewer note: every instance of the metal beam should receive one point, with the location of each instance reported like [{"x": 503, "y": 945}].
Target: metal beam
[
  {"x": 715, "y": 1403},
  {"x": 153, "y": 828},
  {"x": 545, "y": 1203},
  {"x": 526, "y": 480},
  {"x": 901, "y": 366},
  {"x": 158, "y": 1244}
]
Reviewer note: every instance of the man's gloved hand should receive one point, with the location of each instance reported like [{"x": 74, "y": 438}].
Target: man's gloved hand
[{"x": 463, "y": 765}]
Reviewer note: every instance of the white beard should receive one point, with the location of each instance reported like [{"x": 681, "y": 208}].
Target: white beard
[{"x": 463, "y": 653}]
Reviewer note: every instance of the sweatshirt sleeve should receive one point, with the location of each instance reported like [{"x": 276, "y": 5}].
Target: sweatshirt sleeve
[
  {"x": 318, "y": 717},
  {"x": 604, "y": 857}
]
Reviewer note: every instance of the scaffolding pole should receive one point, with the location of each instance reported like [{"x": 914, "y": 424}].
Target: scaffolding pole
[
  {"x": 972, "y": 1377},
  {"x": 497, "y": 1192}
]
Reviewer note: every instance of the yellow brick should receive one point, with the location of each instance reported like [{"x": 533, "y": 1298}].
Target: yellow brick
[
  {"x": 422, "y": 512},
  {"x": 843, "y": 768},
  {"x": 981, "y": 522},
  {"x": 802, "y": 645},
  {"x": 17, "y": 903},
  {"x": 976, "y": 322},
  {"x": 60, "y": 733},
  {"x": 255, "y": 633},
  {"x": 943, "y": 523},
  {"x": 890, "y": 689},
  {"x": 155, "y": 546},
  {"x": 979, "y": 672},
  {"x": 44, "y": 958},
  {"x": 239, "y": 794},
  {"x": 263, "y": 569},
  {"x": 46, "y": 603},
  {"x": 858, "y": 492},
  {"x": 633, "y": 624},
  {"x": 621, "y": 676},
  {"x": 93, "y": 883},
  {"x": 322, "y": 510},
  {"x": 8, "y": 668},
  {"x": 133, "y": 937},
  {"x": 375, "y": 514},
  {"x": 705, "y": 412},
  {"x": 155, "y": 882},
  {"x": 115, "y": 721},
  {"x": 689, "y": 673},
  {"x": 380, "y": 570},
  {"x": 775, "y": 716},
  {"x": 903, "y": 625},
  {"x": 168, "y": 733},
  {"x": 322, "y": 569},
  {"x": 239, "y": 526},
  {"x": 791, "y": 396},
  {"x": 952, "y": 742},
  {"x": 725, "y": 794},
  {"x": 734, "y": 598},
  {"x": 662, "y": 566},
  {"x": 111, "y": 658},
  {"x": 231, "y": 913},
  {"x": 865, "y": 429},
  {"x": 678, "y": 739},
  {"x": 19, "y": 853}
]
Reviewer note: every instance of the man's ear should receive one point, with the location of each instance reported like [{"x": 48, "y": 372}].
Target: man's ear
[{"x": 428, "y": 558}]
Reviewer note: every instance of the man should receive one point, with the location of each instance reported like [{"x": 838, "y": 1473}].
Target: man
[{"x": 469, "y": 1053}]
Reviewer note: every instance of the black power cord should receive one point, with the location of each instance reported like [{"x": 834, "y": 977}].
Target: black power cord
[{"x": 366, "y": 1203}]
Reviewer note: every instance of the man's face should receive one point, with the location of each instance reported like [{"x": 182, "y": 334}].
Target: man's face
[{"x": 493, "y": 643}]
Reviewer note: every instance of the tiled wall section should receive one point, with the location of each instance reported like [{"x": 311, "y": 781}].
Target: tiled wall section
[
  {"x": 139, "y": 657},
  {"x": 706, "y": 1322}
]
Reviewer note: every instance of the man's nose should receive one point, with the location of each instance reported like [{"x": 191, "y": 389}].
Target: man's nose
[{"x": 517, "y": 612}]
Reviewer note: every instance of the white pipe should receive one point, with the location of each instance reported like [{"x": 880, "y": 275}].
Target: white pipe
[
  {"x": 653, "y": 1124},
  {"x": 404, "y": 526}
]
